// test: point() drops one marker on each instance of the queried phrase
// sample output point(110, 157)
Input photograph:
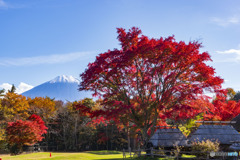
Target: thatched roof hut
point(237, 124)
point(224, 134)
point(168, 137)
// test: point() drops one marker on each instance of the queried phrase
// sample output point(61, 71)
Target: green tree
point(2, 91)
point(13, 89)
point(190, 124)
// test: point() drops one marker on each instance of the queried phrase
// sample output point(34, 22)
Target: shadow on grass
point(138, 158)
point(104, 152)
point(119, 152)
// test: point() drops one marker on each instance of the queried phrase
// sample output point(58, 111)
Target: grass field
point(90, 155)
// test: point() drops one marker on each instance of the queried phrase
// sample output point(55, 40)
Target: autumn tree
point(42, 106)
point(147, 79)
point(46, 108)
point(73, 120)
point(2, 128)
point(107, 134)
point(230, 93)
point(26, 132)
point(14, 106)
point(222, 109)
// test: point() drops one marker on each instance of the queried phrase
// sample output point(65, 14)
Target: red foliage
point(190, 110)
point(39, 123)
point(26, 132)
point(223, 110)
point(148, 80)
point(97, 121)
point(102, 138)
point(83, 110)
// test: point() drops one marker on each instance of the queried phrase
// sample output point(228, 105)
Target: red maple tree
point(27, 132)
point(148, 79)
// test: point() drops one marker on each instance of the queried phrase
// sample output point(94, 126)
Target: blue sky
point(41, 39)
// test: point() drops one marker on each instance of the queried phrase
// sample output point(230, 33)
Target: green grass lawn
point(90, 155)
point(63, 156)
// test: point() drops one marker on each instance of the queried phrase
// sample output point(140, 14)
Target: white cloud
point(234, 52)
point(6, 86)
point(22, 87)
point(49, 59)
point(226, 21)
point(225, 80)
point(230, 51)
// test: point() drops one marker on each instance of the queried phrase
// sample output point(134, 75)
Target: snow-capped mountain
point(63, 88)
point(64, 79)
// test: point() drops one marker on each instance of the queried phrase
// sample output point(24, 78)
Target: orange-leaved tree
point(14, 106)
point(42, 106)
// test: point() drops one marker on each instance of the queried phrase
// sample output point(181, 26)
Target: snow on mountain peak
point(64, 79)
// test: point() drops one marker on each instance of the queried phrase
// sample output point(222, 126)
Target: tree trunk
point(64, 138)
point(145, 137)
point(75, 133)
point(129, 142)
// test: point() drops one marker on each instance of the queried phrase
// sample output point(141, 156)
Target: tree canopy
point(230, 93)
point(14, 106)
point(222, 109)
point(149, 79)
point(27, 132)
point(44, 107)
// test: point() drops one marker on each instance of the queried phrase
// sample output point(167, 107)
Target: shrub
point(202, 148)
point(3, 147)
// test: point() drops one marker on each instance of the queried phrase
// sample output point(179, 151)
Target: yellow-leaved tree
point(14, 106)
point(43, 106)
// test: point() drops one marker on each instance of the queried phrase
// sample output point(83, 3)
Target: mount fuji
point(63, 88)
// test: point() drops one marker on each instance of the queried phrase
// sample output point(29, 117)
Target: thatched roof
point(168, 138)
point(237, 124)
point(224, 134)
point(235, 146)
